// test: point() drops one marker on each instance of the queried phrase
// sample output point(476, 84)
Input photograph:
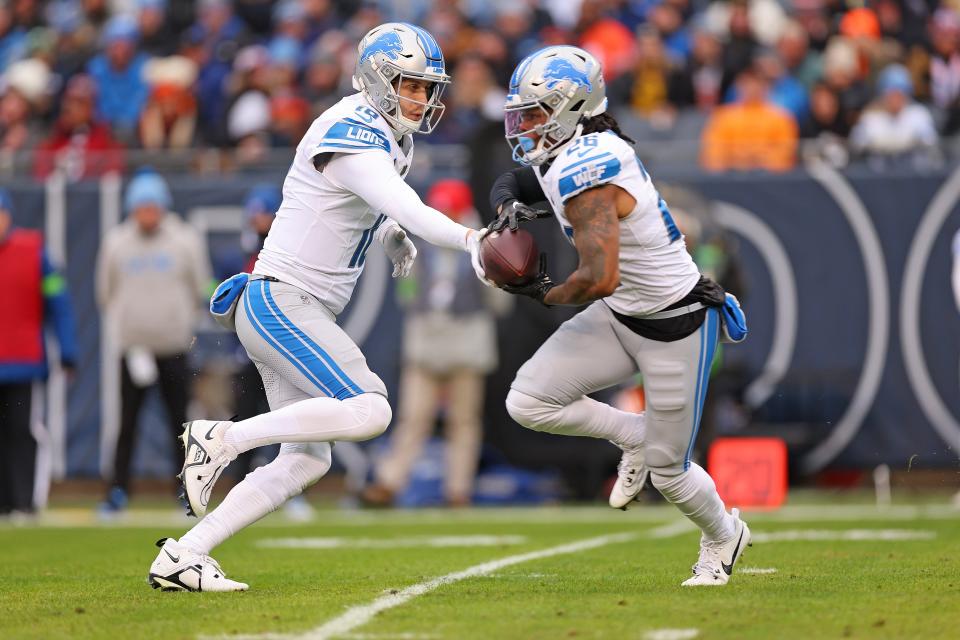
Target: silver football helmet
point(386, 56)
point(566, 85)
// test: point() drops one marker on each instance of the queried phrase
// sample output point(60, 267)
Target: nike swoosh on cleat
point(207, 436)
point(172, 557)
point(728, 568)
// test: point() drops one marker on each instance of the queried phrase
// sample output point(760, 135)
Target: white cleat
point(206, 455)
point(715, 565)
point(632, 475)
point(179, 569)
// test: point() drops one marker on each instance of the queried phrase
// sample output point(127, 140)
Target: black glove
point(512, 213)
point(536, 288)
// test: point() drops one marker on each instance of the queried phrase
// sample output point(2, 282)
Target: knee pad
point(663, 459)
point(373, 415)
point(531, 412)
point(666, 389)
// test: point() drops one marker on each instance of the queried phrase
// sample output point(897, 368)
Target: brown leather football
point(510, 257)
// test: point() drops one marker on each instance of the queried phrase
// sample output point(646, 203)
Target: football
point(510, 257)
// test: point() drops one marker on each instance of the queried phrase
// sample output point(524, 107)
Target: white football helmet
point(388, 54)
point(566, 83)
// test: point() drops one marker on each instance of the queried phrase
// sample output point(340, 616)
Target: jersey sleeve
point(593, 160)
point(350, 135)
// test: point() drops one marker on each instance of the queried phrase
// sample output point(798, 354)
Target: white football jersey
point(655, 268)
point(320, 237)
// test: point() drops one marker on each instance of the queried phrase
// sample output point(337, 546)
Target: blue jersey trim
point(360, 253)
point(373, 231)
point(672, 229)
point(599, 173)
point(354, 133)
point(586, 160)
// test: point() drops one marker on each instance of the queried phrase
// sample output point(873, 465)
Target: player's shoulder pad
point(352, 134)
point(591, 160)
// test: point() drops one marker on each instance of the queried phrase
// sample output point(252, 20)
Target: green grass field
point(892, 573)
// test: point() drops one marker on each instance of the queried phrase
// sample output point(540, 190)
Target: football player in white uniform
point(649, 309)
point(344, 189)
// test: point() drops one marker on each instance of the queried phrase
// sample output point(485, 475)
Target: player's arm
point(518, 184)
point(516, 197)
point(372, 176)
point(596, 231)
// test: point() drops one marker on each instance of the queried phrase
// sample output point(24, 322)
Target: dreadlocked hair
point(605, 122)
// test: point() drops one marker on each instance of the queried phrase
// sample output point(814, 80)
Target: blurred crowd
point(875, 79)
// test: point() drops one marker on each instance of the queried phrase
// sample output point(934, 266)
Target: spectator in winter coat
point(895, 125)
point(153, 271)
point(80, 146)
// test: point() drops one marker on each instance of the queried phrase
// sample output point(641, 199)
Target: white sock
point(695, 494)
point(582, 417)
point(260, 493)
point(314, 420)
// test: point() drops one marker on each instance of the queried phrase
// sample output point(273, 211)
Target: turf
point(70, 580)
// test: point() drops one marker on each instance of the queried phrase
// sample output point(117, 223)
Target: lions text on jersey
point(655, 268)
point(322, 231)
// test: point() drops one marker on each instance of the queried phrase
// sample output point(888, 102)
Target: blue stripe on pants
point(350, 388)
point(708, 345)
point(256, 323)
point(277, 330)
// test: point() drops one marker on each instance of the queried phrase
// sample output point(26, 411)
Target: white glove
point(473, 246)
point(398, 247)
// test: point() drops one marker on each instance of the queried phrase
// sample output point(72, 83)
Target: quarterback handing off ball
point(510, 257)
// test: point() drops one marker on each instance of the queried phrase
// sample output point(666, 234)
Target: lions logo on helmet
point(386, 56)
point(388, 44)
point(566, 85)
point(558, 70)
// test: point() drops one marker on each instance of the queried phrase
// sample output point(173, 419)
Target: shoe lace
point(628, 469)
point(208, 560)
point(709, 559)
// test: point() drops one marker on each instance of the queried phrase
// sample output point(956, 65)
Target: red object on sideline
point(749, 472)
point(21, 297)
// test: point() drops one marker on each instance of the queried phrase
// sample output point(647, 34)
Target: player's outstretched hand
point(513, 213)
point(474, 237)
point(400, 249)
point(536, 288)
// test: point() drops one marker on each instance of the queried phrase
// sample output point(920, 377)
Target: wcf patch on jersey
point(588, 175)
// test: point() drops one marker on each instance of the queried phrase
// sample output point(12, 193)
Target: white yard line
point(390, 636)
point(360, 615)
point(757, 570)
point(671, 634)
point(851, 535)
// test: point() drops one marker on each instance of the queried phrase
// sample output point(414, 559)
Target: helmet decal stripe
point(518, 73)
point(429, 45)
